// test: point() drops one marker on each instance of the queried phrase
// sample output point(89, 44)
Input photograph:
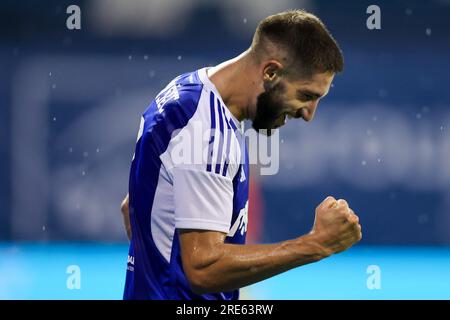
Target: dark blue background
point(399, 67)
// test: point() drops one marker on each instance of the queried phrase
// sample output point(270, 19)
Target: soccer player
point(189, 218)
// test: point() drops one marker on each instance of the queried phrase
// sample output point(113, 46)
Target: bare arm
point(124, 208)
point(213, 266)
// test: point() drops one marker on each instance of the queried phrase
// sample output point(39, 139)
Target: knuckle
point(342, 204)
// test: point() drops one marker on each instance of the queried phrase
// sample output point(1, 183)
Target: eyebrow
point(315, 95)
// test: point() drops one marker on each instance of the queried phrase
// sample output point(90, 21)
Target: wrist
point(315, 245)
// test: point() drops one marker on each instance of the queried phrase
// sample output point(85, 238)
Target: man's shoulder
point(176, 103)
point(183, 90)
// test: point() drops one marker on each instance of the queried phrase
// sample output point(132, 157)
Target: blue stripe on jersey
point(213, 130)
point(233, 125)
point(219, 155)
point(227, 153)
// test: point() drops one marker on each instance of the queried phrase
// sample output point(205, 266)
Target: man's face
point(290, 99)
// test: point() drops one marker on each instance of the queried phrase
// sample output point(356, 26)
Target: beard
point(269, 110)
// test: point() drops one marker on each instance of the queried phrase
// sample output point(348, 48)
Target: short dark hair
point(308, 43)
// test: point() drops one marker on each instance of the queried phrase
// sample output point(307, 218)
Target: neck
point(234, 79)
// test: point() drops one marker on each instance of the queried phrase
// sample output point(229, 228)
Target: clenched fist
point(336, 227)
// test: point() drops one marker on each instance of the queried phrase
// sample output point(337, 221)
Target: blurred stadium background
point(70, 102)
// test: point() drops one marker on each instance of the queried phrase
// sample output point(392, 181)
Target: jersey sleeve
point(202, 160)
point(203, 200)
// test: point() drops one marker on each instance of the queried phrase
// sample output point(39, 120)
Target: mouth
point(283, 119)
point(299, 114)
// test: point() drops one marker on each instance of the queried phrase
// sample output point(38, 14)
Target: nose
point(308, 112)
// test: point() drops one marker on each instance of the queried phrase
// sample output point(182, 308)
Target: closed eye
point(308, 96)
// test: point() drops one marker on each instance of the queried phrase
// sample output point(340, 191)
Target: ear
point(272, 71)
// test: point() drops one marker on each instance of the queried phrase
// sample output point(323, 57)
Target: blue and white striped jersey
point(189, 171)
